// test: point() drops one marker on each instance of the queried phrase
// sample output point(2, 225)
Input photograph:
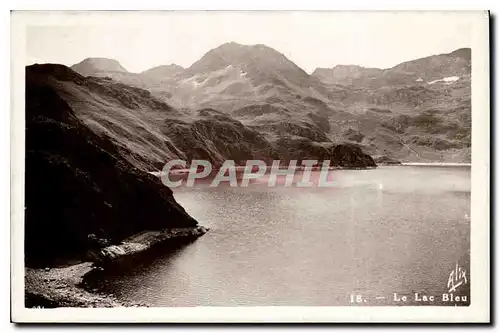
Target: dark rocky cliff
point(80, 191)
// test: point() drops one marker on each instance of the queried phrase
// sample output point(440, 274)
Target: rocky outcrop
point(93, 66)
point(146, 240)
point(345, 73)
point(60, 287)
point(353, 135)
point(267, 92)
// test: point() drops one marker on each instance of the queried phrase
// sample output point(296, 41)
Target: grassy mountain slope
point(377, 109)
point(148, 132)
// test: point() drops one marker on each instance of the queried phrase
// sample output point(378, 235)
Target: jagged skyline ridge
point(309, 39)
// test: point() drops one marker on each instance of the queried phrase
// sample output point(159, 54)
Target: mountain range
point(417, 111)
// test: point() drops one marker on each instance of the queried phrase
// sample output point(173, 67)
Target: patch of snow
point(419, 79)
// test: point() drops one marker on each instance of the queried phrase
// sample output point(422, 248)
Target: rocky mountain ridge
point(423, 70)
point(148, 132)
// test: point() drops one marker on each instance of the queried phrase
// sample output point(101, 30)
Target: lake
point(376, 236)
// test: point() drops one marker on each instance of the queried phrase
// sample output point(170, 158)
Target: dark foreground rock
point(66, 286)
point(83, 198)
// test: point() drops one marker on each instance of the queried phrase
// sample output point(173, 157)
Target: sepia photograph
point(249, 166)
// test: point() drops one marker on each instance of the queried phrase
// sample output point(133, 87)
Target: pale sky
point(141, 40)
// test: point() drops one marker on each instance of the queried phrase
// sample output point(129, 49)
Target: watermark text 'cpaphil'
point(309, 173)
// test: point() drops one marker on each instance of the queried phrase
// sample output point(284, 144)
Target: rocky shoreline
point(386, 160)
point(64, 287)
point(60, 287)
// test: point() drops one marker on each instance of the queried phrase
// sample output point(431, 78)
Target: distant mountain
point(464, 53)
point(418, 110)
point(232, 75)
point(345, 74)
point(112, 70)
point(96, 66)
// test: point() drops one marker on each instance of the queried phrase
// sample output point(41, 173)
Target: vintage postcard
point(239, 166)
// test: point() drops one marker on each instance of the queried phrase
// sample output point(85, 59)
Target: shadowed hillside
point(435, 67)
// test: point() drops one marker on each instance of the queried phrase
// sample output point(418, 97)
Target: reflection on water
point(377, 232)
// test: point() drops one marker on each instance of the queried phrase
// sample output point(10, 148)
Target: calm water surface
point(399, 229)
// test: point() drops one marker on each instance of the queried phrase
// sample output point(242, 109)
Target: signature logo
point(457, 277)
